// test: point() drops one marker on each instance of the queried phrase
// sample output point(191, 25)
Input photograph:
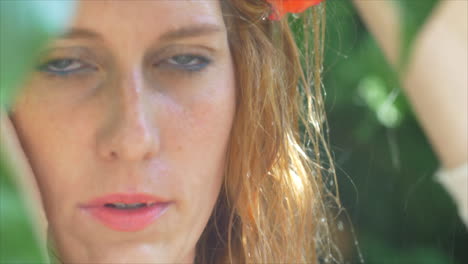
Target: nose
point(129, 132)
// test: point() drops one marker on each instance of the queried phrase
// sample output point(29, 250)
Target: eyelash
point(203, 62)
point(188, 68)
point(61, 73)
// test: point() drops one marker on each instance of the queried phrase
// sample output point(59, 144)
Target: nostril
point(128, 137)
point(149, 155)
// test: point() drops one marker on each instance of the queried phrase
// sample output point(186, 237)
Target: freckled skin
point(131, 126)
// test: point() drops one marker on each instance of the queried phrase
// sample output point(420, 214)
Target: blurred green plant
point(18, 243)
point(385, 164)
point(373, 91)
point(25, 27)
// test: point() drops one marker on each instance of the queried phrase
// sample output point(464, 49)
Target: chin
point(141, 254)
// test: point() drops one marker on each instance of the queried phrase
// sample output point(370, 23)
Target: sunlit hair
point(273, 205)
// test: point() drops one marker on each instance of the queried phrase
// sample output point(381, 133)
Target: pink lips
point(126, 212)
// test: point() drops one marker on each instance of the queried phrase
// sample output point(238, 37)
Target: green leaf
point(25, 26)
point(18, 243)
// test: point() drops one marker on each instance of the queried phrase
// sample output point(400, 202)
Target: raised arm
point(436, 80)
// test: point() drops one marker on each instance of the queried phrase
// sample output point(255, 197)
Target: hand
point(24, 178)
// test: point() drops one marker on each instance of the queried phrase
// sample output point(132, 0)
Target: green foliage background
point(385, 164)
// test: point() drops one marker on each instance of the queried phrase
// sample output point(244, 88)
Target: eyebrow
point(79, 33)
point(173, 34)
point(190, 32)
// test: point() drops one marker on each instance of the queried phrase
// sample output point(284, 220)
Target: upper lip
point(126, 198)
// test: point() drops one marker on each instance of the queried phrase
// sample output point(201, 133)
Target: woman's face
point(126, 122)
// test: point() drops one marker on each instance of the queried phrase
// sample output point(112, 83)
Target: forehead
point(139, 17)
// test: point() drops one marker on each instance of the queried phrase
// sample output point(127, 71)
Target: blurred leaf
point(25, 26)
point(18, 243)
point(374, 92)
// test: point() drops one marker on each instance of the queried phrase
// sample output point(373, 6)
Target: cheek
point(202, 129)
point(204, 121)
point(200, 138)
point(211, 122)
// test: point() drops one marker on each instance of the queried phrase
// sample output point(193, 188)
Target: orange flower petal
point(282, 7)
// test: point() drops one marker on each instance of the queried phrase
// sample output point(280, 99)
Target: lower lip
point(128, 220)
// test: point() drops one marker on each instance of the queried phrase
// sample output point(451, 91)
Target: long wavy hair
point(273, 207)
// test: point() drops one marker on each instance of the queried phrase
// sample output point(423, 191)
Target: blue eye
point(188, 62)
point(63, 66)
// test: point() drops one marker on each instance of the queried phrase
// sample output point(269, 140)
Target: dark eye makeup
point(183, 63)
point(65, 66)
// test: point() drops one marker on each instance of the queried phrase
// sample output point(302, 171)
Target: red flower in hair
point(282, 7)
